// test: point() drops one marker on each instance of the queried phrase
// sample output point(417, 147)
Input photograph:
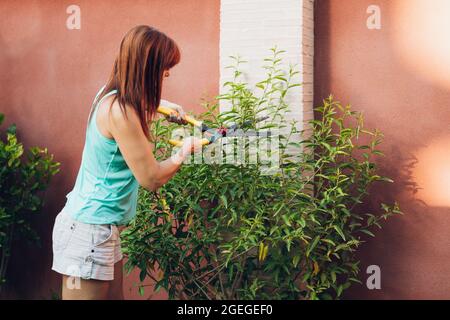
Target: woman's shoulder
point(120, 114)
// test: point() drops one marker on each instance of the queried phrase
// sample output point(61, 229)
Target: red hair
point(145, 53)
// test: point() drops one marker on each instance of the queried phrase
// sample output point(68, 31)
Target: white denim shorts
point(85, 250)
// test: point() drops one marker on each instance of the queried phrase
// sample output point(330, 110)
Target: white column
point(249, 28)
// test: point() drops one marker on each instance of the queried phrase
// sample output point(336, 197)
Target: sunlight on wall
point(421, 37)
point(432, 173)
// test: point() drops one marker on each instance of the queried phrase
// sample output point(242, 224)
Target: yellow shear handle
point(179, 143)
point(168, 111)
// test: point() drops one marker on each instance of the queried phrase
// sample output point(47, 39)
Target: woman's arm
point(138, 152)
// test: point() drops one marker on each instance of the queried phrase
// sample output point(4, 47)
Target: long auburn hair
point(144, 54)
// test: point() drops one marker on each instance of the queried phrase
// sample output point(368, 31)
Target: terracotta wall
point(399, 77)
point(49, 76)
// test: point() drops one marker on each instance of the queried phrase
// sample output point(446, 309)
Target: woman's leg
point(116, 287)
point(74, 288)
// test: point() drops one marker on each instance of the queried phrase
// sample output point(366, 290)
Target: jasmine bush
point(228, 231)
point(24, 175)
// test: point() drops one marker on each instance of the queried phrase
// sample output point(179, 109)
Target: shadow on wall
point(397, 77)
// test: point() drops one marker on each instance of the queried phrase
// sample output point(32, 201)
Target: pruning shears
point(211, 134)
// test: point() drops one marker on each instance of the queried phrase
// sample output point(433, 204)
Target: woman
point(117, 158)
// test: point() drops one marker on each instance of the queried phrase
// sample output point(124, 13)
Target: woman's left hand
point(179, 116)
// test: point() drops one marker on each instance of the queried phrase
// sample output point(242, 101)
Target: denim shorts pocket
point(102, 233)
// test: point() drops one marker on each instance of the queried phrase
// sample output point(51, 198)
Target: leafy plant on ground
point(228, 231)
point(23, 177)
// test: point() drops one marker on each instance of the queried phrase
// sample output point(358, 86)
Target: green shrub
point(227, 231)
point(21, 183)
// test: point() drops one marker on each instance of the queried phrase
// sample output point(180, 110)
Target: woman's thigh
point(116, 286)
point(76, 288)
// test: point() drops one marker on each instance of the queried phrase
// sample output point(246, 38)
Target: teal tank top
point(105, 190)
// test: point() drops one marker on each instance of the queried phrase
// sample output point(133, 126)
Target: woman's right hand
point(179, 115)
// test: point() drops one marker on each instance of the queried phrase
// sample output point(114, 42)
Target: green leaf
point(329, 241)
point(286, 220)
point(142, 275)
point(12, 129)
point(312, 245)
point(224, 201)
point(339, 230)
point(368, 232)
point(296, 260)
